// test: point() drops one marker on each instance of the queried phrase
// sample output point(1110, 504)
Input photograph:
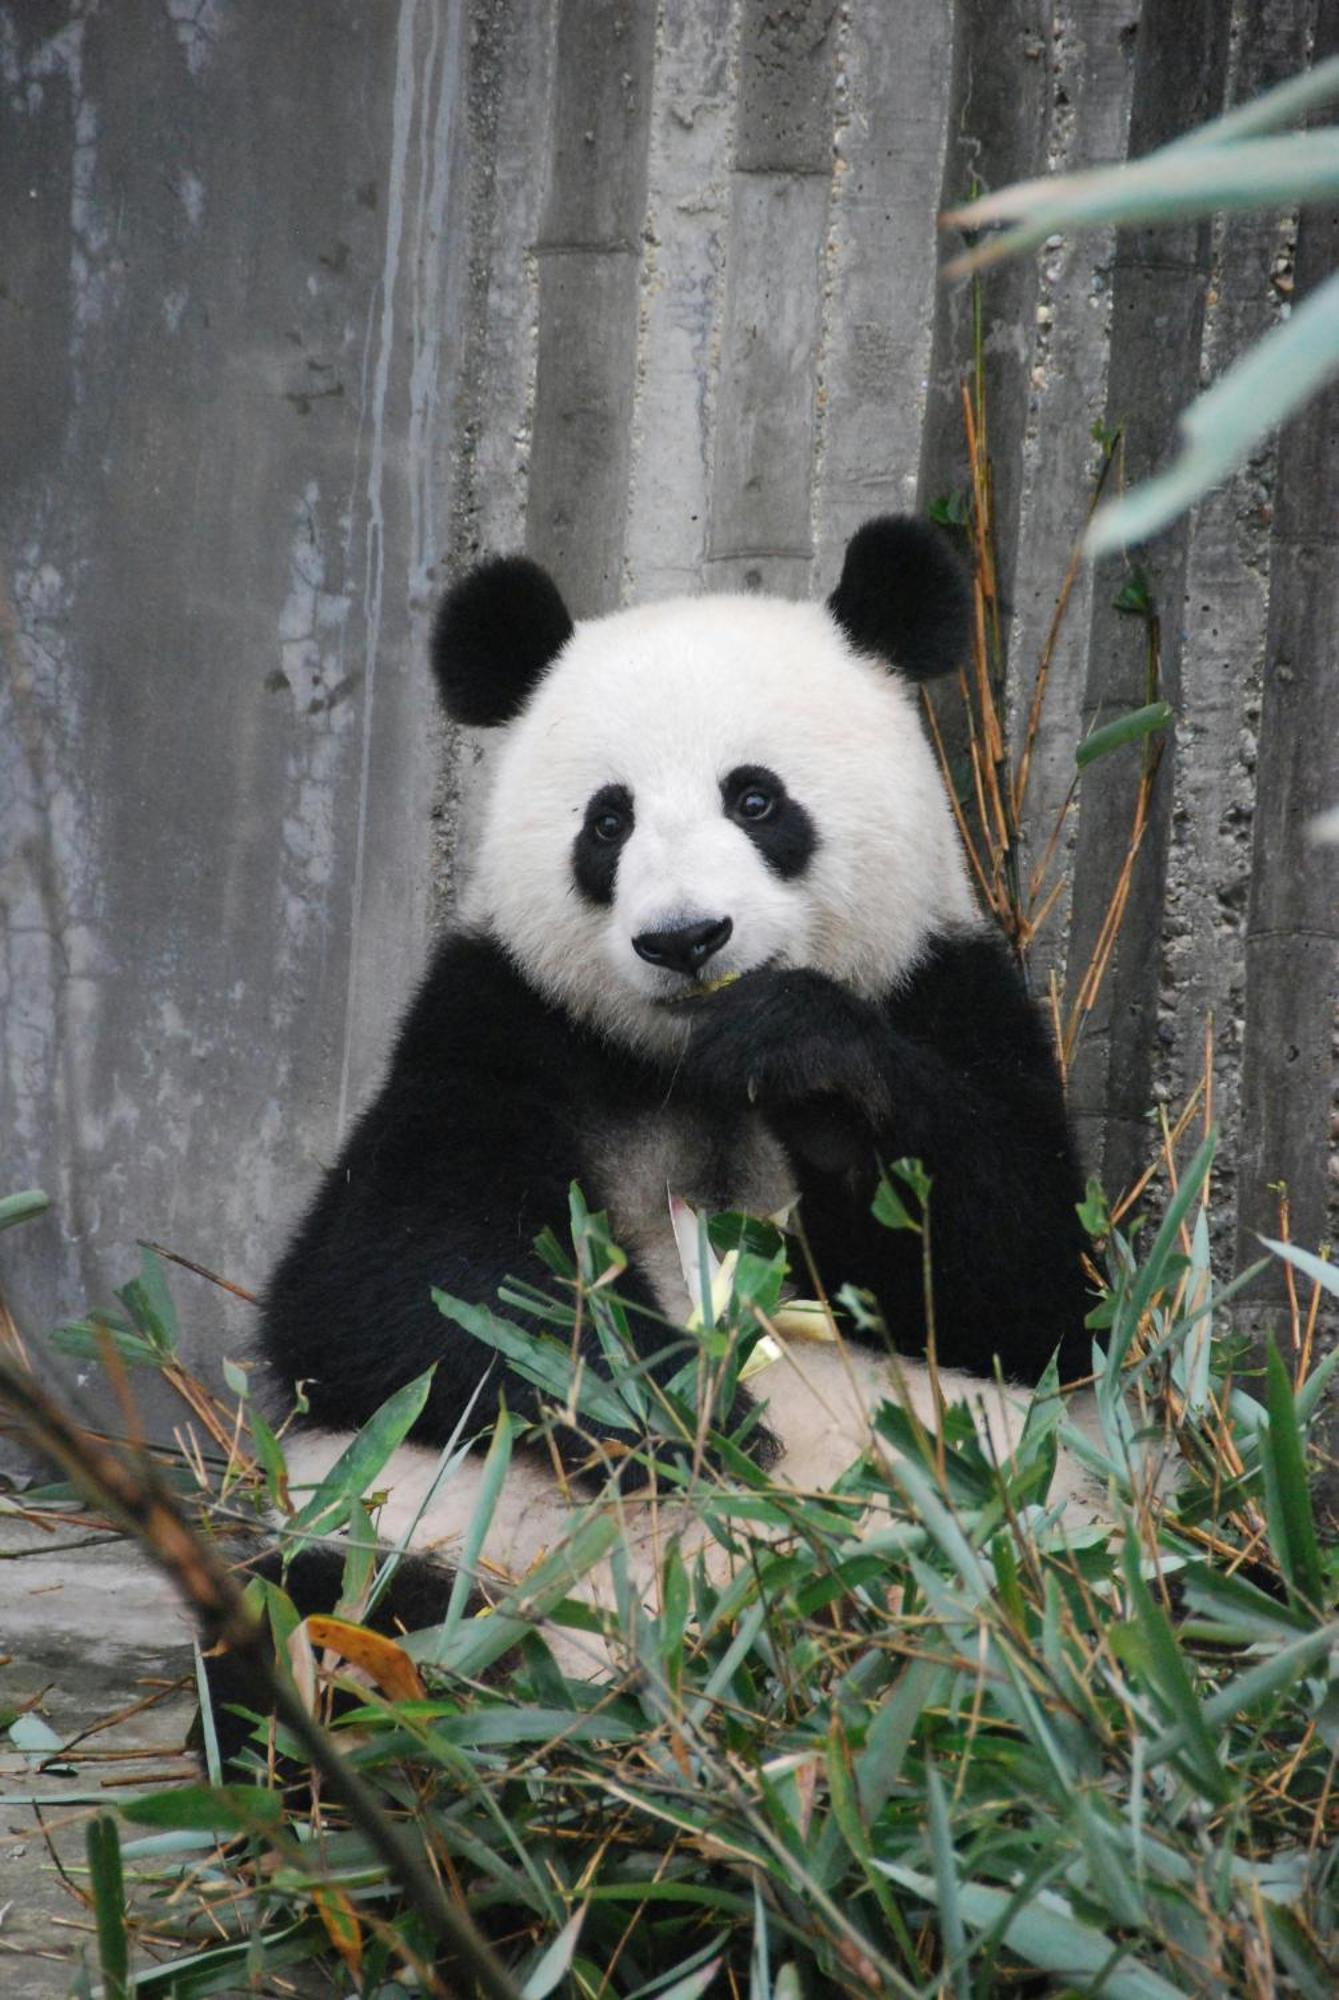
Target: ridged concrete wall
point(304, 307)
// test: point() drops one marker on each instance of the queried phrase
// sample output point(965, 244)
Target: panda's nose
point(685, 948)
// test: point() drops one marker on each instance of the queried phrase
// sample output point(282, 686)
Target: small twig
point(199, 1270)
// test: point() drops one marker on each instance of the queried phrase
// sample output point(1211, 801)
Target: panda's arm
point(465, 1156)
point(955, 1070)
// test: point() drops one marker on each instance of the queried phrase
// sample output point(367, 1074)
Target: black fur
point(957, 1071)
point(596, 849)
point(904, 597)
point(488, 1112)
point(495, 633)
point(484, 1121)
point(785, 835)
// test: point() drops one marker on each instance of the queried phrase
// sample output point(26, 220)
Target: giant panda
point(719, 942)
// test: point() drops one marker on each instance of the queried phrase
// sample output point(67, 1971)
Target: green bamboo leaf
point(1111, 1870)
point(233, 1967)
point(945, 1863)
point(29, 1732)
point(22, 1207)
point(1047, 1935)
point(878, 1767)
point(360, 1462)
point(690, 1984)
point(1280, 373)
point(1131, 728)
point(710, 1895)
point(271, 1457)
point(478, 1642)
point(1237, 1608)
point(496, 1465)
point(1287, 1487)
point(553, 1963)
point(89, 1339)
point(760, 1958)
point(1153, 1272)
point(889, 1208)
point(1319, 1269)
point(1315, 1385)
point(150, 1304)
point(1313, 1976)
point(103, 1849)
point(220, 1809)
point(1164, 1671)
point(1177, 182)
point(541, 1361)
point(845, 1803)
point(208, 1733)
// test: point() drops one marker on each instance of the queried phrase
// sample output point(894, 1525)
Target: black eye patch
point(605, 827)
point(778, 825)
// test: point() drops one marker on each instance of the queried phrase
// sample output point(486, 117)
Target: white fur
point(819, 1403)
point(667, 699)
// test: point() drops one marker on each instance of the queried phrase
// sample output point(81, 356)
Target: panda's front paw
point(784, 1038)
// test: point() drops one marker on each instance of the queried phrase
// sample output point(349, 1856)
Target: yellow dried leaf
point(342, 1926)
point(386, 1665)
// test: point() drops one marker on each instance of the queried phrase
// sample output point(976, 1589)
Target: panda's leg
point(426, 1512)
point(820, 1402)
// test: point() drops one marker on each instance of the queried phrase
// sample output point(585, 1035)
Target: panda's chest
point(637, 1162)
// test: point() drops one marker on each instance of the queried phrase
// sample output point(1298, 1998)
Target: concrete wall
point(228, 340)
point(306, 306)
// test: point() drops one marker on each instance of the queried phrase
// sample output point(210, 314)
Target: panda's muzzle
point(684, 947)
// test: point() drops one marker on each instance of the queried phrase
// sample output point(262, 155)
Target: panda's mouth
point(701, 987)
point(698, 988)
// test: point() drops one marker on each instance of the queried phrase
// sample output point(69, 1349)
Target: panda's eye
point(755, 800)
point(752, 794)
point(608, 816)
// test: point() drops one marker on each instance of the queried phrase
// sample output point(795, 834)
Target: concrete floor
point(87, 1630)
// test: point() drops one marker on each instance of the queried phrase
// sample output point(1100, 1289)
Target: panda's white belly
point(819, 1400)
point(641, 1161)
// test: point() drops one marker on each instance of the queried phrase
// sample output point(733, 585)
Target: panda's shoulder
point(967, 993)
point(473, 1008)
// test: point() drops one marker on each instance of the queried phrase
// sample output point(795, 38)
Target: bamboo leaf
point(490, 1489)
point(221, 1809)
point(103, 1848)
point(341, 1925)
point(358, 1465)
point(22, 1207)
point(1287, 1488)
point(1131, 728)
point(1319, 1269)
point(1165, 1673)
point(553, 1963)
point(1249, 171)
point(945, 1863)
point(1275, 377)
point(150, 1304)
point(541, 1361)
point(1047, 1935)
point(384, 1662)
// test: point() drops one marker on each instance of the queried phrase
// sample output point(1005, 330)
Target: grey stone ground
point(86, 1632)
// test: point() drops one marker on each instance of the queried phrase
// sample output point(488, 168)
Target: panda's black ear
point(904, 596)
point(494, 634)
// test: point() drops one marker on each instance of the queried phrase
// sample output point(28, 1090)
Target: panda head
point(707, 786)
